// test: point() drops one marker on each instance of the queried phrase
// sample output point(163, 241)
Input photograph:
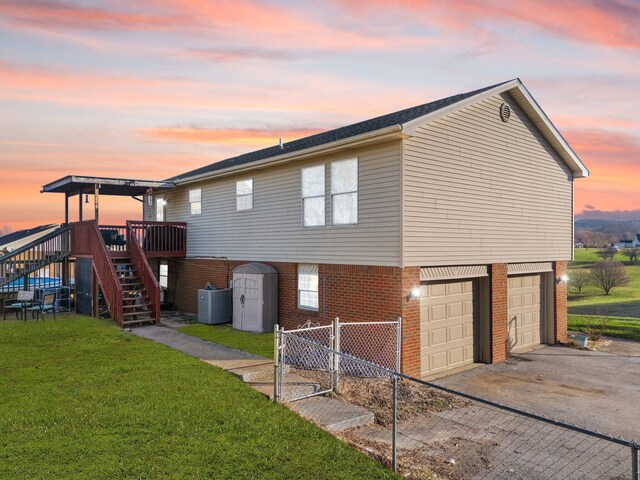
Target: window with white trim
point(244, 194)
point(308, 286)
point(313, 191)
point(344, 192)
point(163, 274)
point(160, 208)
point(195, 201)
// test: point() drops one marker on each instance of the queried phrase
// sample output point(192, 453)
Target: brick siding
point(499, 308)
point(560, 305)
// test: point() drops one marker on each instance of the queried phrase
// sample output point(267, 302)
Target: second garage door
point(526, 319)
point(447, 324)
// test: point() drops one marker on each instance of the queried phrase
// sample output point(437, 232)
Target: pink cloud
point(231, 136)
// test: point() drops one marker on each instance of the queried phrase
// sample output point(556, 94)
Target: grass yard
point(622, 305)
point(593, 298)
point(620, 327)
point(82, 399)
point(256, 343)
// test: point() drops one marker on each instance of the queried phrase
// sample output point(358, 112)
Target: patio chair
point(41, 307)
point(19, 304)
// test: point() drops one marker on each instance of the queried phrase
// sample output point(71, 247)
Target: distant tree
point(607, 253)
point(578, 279)
point(5, 230)
point(607, 274)
point(632, 254)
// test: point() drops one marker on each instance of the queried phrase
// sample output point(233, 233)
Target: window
point(344, 192)
point(308, 286)
point(195, 201)
point(313, 196)
point(160, 208)
point(163, 274)
point(244, 194)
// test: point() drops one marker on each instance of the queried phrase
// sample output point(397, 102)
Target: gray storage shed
point(255, 297)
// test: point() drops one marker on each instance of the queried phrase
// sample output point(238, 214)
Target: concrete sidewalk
point(258, 373)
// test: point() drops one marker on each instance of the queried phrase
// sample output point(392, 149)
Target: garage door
point(526, 319)
point(446, 325)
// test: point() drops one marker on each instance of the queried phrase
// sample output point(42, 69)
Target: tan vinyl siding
point(478, 191)
point(148, 211)
point(272, 230)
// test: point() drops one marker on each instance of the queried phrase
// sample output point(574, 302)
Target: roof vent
point(505, 112)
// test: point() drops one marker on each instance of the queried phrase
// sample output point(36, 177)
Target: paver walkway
point(258, 372)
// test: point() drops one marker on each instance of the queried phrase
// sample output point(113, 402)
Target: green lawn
point(622, 305)
point(257, 343)
point(621, 327)
point(622, 301)
point(80, 399)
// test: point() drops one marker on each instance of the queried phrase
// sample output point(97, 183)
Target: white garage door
point(446, 325)
point(526, 318)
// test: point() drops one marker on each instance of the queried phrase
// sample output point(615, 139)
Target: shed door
point(526, 317)
point(252, 320)
point(447, 325)
point(247, 302)
point(238, 292)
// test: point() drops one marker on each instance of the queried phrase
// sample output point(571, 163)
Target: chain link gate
point(302, 370)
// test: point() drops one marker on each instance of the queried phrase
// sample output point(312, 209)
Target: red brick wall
point(352, 292)
point(410, 322)
point(499, 312)
point(560, 313)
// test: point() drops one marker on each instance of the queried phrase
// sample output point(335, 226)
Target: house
point(456, 215)
point(623, 244)
point(579, 245)
point(636, 242)
point(15, 240)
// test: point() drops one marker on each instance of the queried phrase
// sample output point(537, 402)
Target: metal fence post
point(399, 345)
point(394, 433)
point(276, 362)
point(336, 357)
point(635, 469)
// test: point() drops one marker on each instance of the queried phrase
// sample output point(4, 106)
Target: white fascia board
point(570, 157)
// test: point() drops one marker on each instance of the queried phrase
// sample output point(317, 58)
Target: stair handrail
point(87, 240)
point(147, 277)
point(14, 255)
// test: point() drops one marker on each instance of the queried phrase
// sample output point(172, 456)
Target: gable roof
point(406, 121)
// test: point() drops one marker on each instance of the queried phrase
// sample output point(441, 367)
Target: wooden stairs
point(137, 307)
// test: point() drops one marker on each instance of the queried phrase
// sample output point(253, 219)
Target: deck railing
point(141, 264)
point(86, 240)
point(34, 256)
point(160, 239)
point(114, 236)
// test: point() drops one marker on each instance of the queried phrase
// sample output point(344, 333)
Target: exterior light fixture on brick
point(564, 278)
point(414, 293)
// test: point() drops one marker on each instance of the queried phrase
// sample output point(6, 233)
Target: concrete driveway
point(596, 390)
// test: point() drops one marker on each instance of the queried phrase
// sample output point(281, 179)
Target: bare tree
point(607, 274)
point(5, 229)
point(578, 279)
point(631, 254)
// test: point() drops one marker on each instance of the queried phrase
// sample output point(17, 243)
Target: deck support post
point(80, 205)
point(96, 202)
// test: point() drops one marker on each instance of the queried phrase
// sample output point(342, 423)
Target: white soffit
point(452, 273)
point(522, 268)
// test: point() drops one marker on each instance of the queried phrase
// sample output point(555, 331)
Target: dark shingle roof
point(366, 126)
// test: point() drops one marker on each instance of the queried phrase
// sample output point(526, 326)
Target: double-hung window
point(195, 201)
point(308, 286)
point(244, 194)
point(163, 274)
point(344, 192)
point(313, 191)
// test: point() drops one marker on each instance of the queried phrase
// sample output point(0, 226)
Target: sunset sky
point(152, 88)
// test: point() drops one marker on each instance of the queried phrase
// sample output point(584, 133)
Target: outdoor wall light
point(564, 278)
point(414, 293)
point(86, 198)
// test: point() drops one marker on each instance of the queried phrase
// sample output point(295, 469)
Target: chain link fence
point(425, 431)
